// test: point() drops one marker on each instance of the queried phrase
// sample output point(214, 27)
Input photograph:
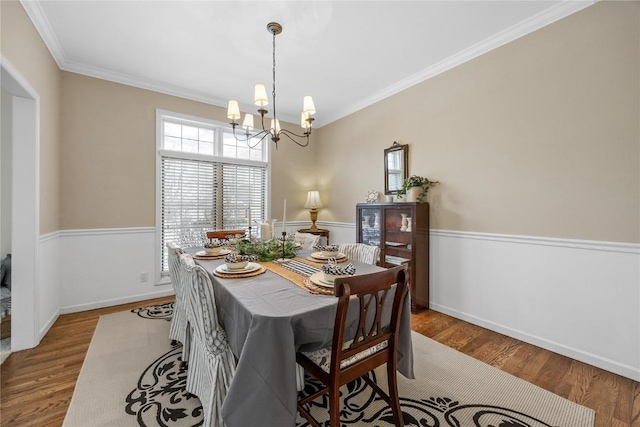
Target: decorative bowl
point(327, 251)
point(332, 271)
point(213, 251)
point(236, 265)
point(330, 278)
point(234, 261)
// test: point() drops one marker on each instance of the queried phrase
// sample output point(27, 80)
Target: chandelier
point(260, 100)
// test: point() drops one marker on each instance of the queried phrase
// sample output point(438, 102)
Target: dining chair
point(179, 329)
point(306, 240)
point(211, 362)
point(222, 234)
point(360, 252)
point(354, 354)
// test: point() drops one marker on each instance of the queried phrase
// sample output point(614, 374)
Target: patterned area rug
point(132, 377)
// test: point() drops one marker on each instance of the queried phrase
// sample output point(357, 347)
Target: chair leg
point(392, 381)
point(334, 405)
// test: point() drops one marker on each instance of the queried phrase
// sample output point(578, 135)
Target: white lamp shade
point(260, 97)
point(303, 121)
point(233, 111)
point(275, 128)
point(313, 200)
point(307, 105)
point(247, 124)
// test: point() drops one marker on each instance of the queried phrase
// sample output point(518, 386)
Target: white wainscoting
point(101, 268)
point(49, 282)
point(574, 297)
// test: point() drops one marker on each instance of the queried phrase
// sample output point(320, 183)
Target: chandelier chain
point(273, 94)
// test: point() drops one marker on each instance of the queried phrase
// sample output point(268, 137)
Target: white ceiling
point(347, 54)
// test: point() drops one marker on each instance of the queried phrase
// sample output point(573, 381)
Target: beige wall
point(108, 157)
point(539, 137)
point(22, 46)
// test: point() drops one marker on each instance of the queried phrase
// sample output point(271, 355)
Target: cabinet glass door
point(398, 235)
point(370, 226)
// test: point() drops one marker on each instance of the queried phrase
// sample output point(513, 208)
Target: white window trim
point(163, 279)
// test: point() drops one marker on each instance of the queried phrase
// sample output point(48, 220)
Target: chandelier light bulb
point(303, 121)
point(275, 129)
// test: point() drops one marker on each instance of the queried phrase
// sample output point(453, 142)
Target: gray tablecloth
point(268, 319)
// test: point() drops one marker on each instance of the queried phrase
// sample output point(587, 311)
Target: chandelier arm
point(248, 137)
point(290, 135)
point(264, 135)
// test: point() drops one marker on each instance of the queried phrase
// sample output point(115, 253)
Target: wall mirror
point(396, 161)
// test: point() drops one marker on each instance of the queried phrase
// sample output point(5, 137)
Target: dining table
point(268, 318)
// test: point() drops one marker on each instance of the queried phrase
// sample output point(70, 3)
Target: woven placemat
point(315, 289)
point(259, 271)
point(297, 279)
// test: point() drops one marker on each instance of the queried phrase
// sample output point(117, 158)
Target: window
point(206, 180)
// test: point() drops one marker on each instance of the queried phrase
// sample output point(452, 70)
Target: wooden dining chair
point(372, 344)
point(179, 329)
point(360, 252)
point(222, 234)
point(211, 362)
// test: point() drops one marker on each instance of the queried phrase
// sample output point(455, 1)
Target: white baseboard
point(115, 301)
point(589, 358)
point(48, 325)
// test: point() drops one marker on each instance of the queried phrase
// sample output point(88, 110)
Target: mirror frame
point(405, 159)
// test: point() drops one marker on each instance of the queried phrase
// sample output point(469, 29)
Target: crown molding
point(555, 13)
point(512, 33)
point(40, 22)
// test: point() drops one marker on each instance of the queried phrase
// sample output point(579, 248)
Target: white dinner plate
point(250, 268)
point(222, 252)
point(318, 279)
point(319, 255)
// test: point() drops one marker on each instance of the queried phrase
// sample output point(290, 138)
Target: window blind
point(243, 187)
point(198, 196)
point(189, 195)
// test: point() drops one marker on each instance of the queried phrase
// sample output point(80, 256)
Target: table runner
point(298, 279)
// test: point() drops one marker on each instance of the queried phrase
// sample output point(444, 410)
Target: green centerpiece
point(268, 250)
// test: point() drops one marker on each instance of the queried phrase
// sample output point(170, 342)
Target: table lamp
point(313, 203)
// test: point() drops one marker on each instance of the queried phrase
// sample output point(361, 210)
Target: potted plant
point(415, 188)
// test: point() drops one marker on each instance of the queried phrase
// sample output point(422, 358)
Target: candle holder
point(284, 242)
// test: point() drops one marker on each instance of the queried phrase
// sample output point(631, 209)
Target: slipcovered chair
point(306, 240)
point(211, 362)
point(179, 330)
point(371, 344)
point(360, 252)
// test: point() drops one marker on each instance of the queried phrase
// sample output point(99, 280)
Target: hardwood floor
point(36, 385)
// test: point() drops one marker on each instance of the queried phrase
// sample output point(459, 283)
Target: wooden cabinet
point(401, 230)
